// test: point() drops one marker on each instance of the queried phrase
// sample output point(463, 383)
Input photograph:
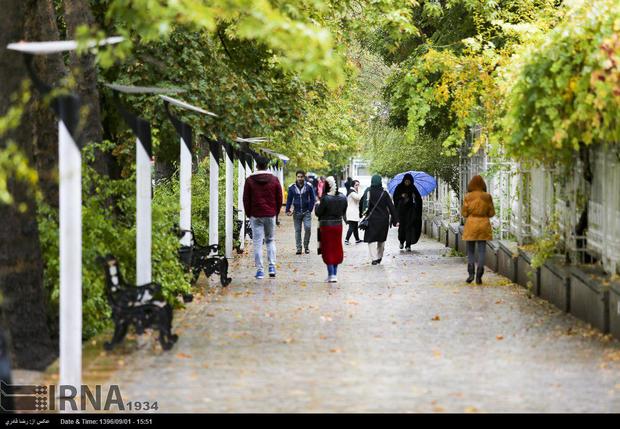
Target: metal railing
point(533, 202)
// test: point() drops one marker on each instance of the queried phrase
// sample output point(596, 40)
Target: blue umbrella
point(424, 182)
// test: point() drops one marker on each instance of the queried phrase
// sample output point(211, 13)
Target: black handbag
point(363, 224)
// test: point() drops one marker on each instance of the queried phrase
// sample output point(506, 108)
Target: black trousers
point(471, 252)
point(353, 230)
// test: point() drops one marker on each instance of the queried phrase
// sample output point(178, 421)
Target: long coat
point(353, 206)
point(477, 208)
point(409, 210)
point(379, 220)
point(330, 211)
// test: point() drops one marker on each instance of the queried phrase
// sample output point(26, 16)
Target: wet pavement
point(408, 335)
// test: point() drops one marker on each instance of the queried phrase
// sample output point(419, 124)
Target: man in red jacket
point(262, 200)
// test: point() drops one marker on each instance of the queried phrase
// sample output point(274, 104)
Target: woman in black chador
point(408, 203)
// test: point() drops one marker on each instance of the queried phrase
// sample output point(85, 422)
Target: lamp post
point(214, 174)
point(184, 130)
point(279, 171)
point(66, 108)
point(144, 154)
point(240, 208)
point(229, 215)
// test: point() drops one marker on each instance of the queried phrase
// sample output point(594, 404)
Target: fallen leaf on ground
point(471, 409)
point(436, 317)
point(499, 337)
point(336, 350)
point(613, 356)
point(183, 356)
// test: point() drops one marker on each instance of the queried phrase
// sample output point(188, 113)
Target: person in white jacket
point(353, 212)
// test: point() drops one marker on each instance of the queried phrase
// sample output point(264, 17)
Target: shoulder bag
point(363, 224)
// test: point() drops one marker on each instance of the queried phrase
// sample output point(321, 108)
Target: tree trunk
point(76, 13)
point(23, 310)
point(40, 25)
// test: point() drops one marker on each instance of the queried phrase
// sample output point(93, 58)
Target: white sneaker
point(328, 279)
point(333, 279)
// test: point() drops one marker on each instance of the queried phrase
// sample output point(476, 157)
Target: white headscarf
point(332, 185)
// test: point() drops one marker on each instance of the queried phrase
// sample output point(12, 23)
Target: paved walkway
point(406, 336)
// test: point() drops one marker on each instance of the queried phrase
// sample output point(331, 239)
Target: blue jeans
point(332, 270)
point(264, 228)
point(306, 220)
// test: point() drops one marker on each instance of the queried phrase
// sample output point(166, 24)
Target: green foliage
point(454, 253)
point(251, 95)
point(567, 89)
point(547, 245)
point(392, 151)
point(13, 162)
point(298, 42)
point(450, 77)
point(14, 165)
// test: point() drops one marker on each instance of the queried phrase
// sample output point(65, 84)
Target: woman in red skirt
point(331, 210)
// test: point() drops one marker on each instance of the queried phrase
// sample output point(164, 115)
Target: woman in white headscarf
point(331, 211)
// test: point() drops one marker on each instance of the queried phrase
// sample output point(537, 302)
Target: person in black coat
point(381, 212)
point(408, 203)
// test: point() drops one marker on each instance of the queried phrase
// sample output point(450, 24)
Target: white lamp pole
point(142, 130)
point(185, 190)
point(66, 108)
point(143, 209)
point(184, 131)
point(281, 177)
point(229, 215)
point(241, 214)
point(214, 174)
point(70, 244)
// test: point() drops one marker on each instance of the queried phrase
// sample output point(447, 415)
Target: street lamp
point(142, 130)
point(184, 130)
point(66, 108)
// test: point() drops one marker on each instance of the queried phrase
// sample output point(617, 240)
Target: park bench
point(198, 258)
point(142, 306)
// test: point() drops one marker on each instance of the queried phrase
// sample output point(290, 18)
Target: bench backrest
point(113, 279)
